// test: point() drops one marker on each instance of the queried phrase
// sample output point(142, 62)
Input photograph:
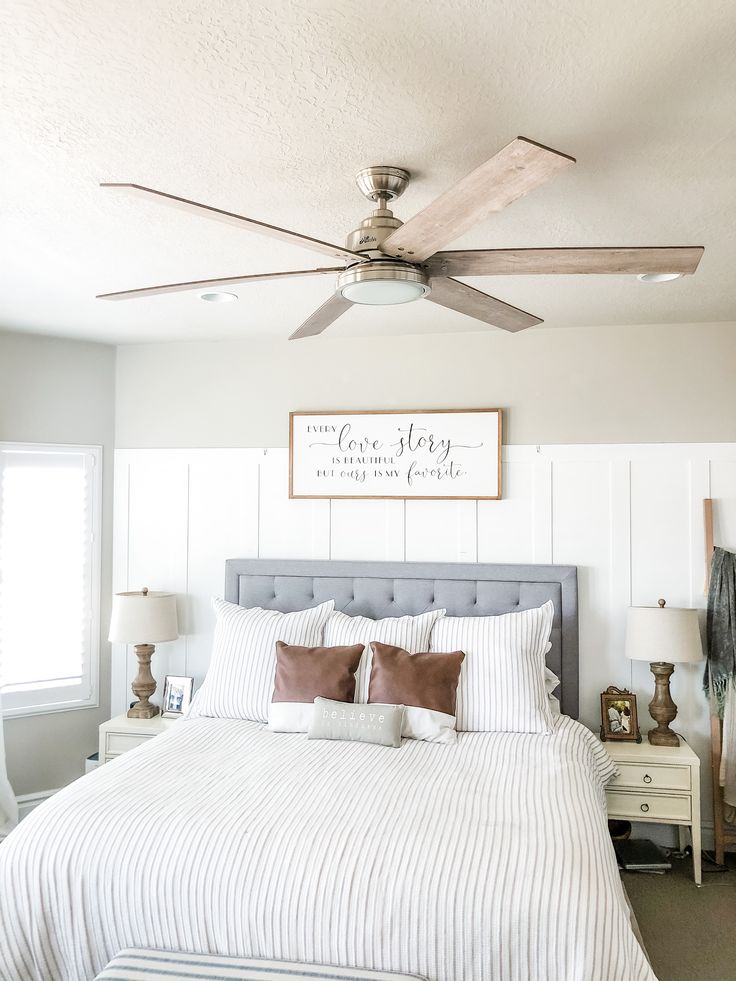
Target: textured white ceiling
point(269, 108)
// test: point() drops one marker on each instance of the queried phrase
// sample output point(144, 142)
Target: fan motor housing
point(373, 231)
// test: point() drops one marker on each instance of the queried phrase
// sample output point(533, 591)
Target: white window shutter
point(49, 577)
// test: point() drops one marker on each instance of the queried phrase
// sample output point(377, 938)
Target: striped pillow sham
point(240, 679)
point(411, 633)
point(502, 682)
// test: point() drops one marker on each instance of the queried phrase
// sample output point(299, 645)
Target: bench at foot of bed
point(136, 964)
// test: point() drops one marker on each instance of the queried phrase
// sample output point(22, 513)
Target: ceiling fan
point(386, 261)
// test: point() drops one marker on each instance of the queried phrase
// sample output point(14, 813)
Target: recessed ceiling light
point(657, 277)
point(218, 297)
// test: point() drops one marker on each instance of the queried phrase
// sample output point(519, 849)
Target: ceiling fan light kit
point(390, 262)
point(383, 283)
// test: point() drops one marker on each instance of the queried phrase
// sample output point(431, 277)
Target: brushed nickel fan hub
point(383, 282)
point(382, 183)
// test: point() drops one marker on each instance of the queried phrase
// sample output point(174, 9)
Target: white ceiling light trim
point(218, 297)
point(658, 277)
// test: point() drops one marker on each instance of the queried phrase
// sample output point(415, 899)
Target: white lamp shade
point(145, 617)
point(663, 633)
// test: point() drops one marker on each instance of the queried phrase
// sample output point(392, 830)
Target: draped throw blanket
point(720, 672)
point(721, 627)
point(8, 805)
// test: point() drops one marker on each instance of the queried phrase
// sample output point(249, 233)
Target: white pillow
point(239, 681)
point(411, 633)
point(551, 681)
point(502, 685)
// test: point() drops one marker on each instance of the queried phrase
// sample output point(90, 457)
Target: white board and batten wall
point(630, 517)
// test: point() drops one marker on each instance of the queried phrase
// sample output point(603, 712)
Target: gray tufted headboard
point(381, 589)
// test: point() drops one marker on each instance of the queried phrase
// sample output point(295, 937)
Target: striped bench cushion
point(164, 965)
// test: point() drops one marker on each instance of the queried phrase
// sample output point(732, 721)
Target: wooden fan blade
point(560, 262)
point(285, 234)
point(512, 172)
point(459, 296)
point(322, 317)
point(199, 284)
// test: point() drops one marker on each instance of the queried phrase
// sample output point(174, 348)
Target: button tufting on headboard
point(380, 589)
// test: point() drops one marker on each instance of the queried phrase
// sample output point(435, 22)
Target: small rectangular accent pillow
point(502, 683)
point(380, 724)
point(411, 633)
point(303, 674)
point(424, 683)
point(239, 681)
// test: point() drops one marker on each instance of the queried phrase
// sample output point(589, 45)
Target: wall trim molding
point(630, 516)
point(27, 802)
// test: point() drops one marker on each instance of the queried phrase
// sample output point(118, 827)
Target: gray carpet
point(689, 933)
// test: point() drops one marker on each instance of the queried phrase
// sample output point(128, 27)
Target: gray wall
point(59, 391)
point(594, 385)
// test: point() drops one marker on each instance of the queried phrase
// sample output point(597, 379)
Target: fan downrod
point(380, 185)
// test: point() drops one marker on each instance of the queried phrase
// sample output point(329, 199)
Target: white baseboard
point(27, 802)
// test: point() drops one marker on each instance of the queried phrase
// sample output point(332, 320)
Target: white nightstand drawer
point(120, 742)
point(121, 734)
point(650, 776)
point(652, 807)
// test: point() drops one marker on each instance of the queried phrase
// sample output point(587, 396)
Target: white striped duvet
point(485, 860)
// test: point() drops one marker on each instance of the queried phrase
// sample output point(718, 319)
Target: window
point(50, 499)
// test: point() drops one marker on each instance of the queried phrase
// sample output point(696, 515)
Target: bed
point(485, 860)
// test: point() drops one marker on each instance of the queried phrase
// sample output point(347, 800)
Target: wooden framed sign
point(427, 454)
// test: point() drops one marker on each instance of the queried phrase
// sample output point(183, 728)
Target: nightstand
point(660, 785)
point(121, 734)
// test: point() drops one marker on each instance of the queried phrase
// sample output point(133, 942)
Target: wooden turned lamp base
point(661, 708)
point(144, 684)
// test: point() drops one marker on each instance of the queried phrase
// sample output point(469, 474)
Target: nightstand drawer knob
point(647, 778)
point(645, 807)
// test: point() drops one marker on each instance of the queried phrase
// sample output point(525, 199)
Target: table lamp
point(654, 632)
point(143, 619)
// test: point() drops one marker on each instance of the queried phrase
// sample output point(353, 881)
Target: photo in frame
point(619, 718)
point(177, 696)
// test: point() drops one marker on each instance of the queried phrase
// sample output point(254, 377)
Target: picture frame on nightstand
point(177, 696)
point(619, 718)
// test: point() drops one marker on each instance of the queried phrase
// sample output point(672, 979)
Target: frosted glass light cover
point(383, 292)
point(143, 618)
point(668, 633)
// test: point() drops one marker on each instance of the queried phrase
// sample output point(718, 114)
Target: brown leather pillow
point(306, 673)
point(427, 680)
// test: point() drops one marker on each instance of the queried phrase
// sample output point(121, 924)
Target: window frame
point(46, 700)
